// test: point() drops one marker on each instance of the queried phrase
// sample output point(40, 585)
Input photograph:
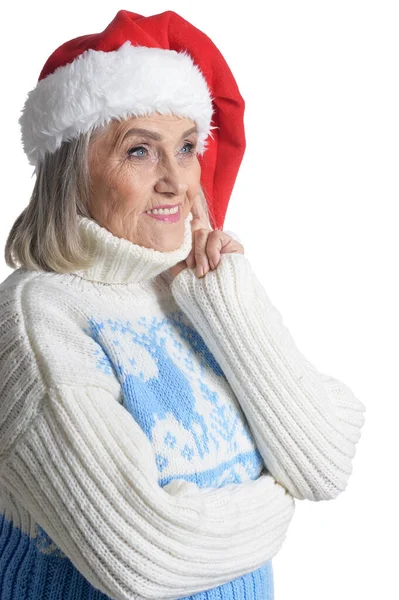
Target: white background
point(315, 204)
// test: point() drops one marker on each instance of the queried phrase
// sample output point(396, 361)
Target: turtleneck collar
point(118, 260)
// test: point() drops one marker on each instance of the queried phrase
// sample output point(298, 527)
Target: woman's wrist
point(176, 269)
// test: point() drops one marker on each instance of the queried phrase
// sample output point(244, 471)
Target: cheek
point(120, 179)
point(195, 171)
point(194, 180)
point(131, 189)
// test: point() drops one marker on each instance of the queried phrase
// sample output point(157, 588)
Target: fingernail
point(211, 264)
point(200, 271)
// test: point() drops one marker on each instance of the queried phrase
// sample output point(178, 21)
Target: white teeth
point(163, 211)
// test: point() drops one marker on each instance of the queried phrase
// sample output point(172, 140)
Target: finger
point(190, 260)
point(232, 247)
point(200, 218)
point(219, 242)
point(196, 205)
point(208, 246)
point(214, 246)
point(199, 244)
point(196, 223)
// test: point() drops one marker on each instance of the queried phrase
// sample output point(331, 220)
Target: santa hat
point(136, 66)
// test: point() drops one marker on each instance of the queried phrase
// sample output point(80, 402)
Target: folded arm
point(306, 424)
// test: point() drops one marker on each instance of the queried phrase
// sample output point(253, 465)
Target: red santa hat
point(137, 66)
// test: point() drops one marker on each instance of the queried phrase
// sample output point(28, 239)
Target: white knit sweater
point(157, 431)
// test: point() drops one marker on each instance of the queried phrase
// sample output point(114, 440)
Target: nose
point(171, 180)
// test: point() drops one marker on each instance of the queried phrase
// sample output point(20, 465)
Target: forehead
point(162, 128)
point(158, 124)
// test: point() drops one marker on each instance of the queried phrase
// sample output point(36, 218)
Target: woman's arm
point(81, 465)
point(306, 424)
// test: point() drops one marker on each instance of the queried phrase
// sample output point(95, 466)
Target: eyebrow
point(153, 134)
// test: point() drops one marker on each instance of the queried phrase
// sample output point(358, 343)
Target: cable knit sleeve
point(306, 424)
point(85, 470)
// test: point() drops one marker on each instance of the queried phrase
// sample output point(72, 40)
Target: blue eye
point(137, 148)
point(191, 150)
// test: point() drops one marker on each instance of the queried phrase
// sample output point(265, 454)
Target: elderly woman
point(157, 420)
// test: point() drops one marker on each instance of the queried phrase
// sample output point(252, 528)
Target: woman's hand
point(207, 245)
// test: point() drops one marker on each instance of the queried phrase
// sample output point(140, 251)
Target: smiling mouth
point(163, 206)
point(171, 217)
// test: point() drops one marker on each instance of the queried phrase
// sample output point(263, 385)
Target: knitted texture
point(154, 432)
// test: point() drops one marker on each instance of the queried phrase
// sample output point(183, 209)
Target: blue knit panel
point(176, 391)
point(29, 572)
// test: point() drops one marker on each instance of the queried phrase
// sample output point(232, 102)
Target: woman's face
point(133, 172)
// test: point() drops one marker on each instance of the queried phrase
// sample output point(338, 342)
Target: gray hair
point(45, 236)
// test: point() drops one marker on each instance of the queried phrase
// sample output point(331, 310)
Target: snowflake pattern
point(176, 391)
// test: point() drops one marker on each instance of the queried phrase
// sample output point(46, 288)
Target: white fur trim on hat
point(98, 86)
